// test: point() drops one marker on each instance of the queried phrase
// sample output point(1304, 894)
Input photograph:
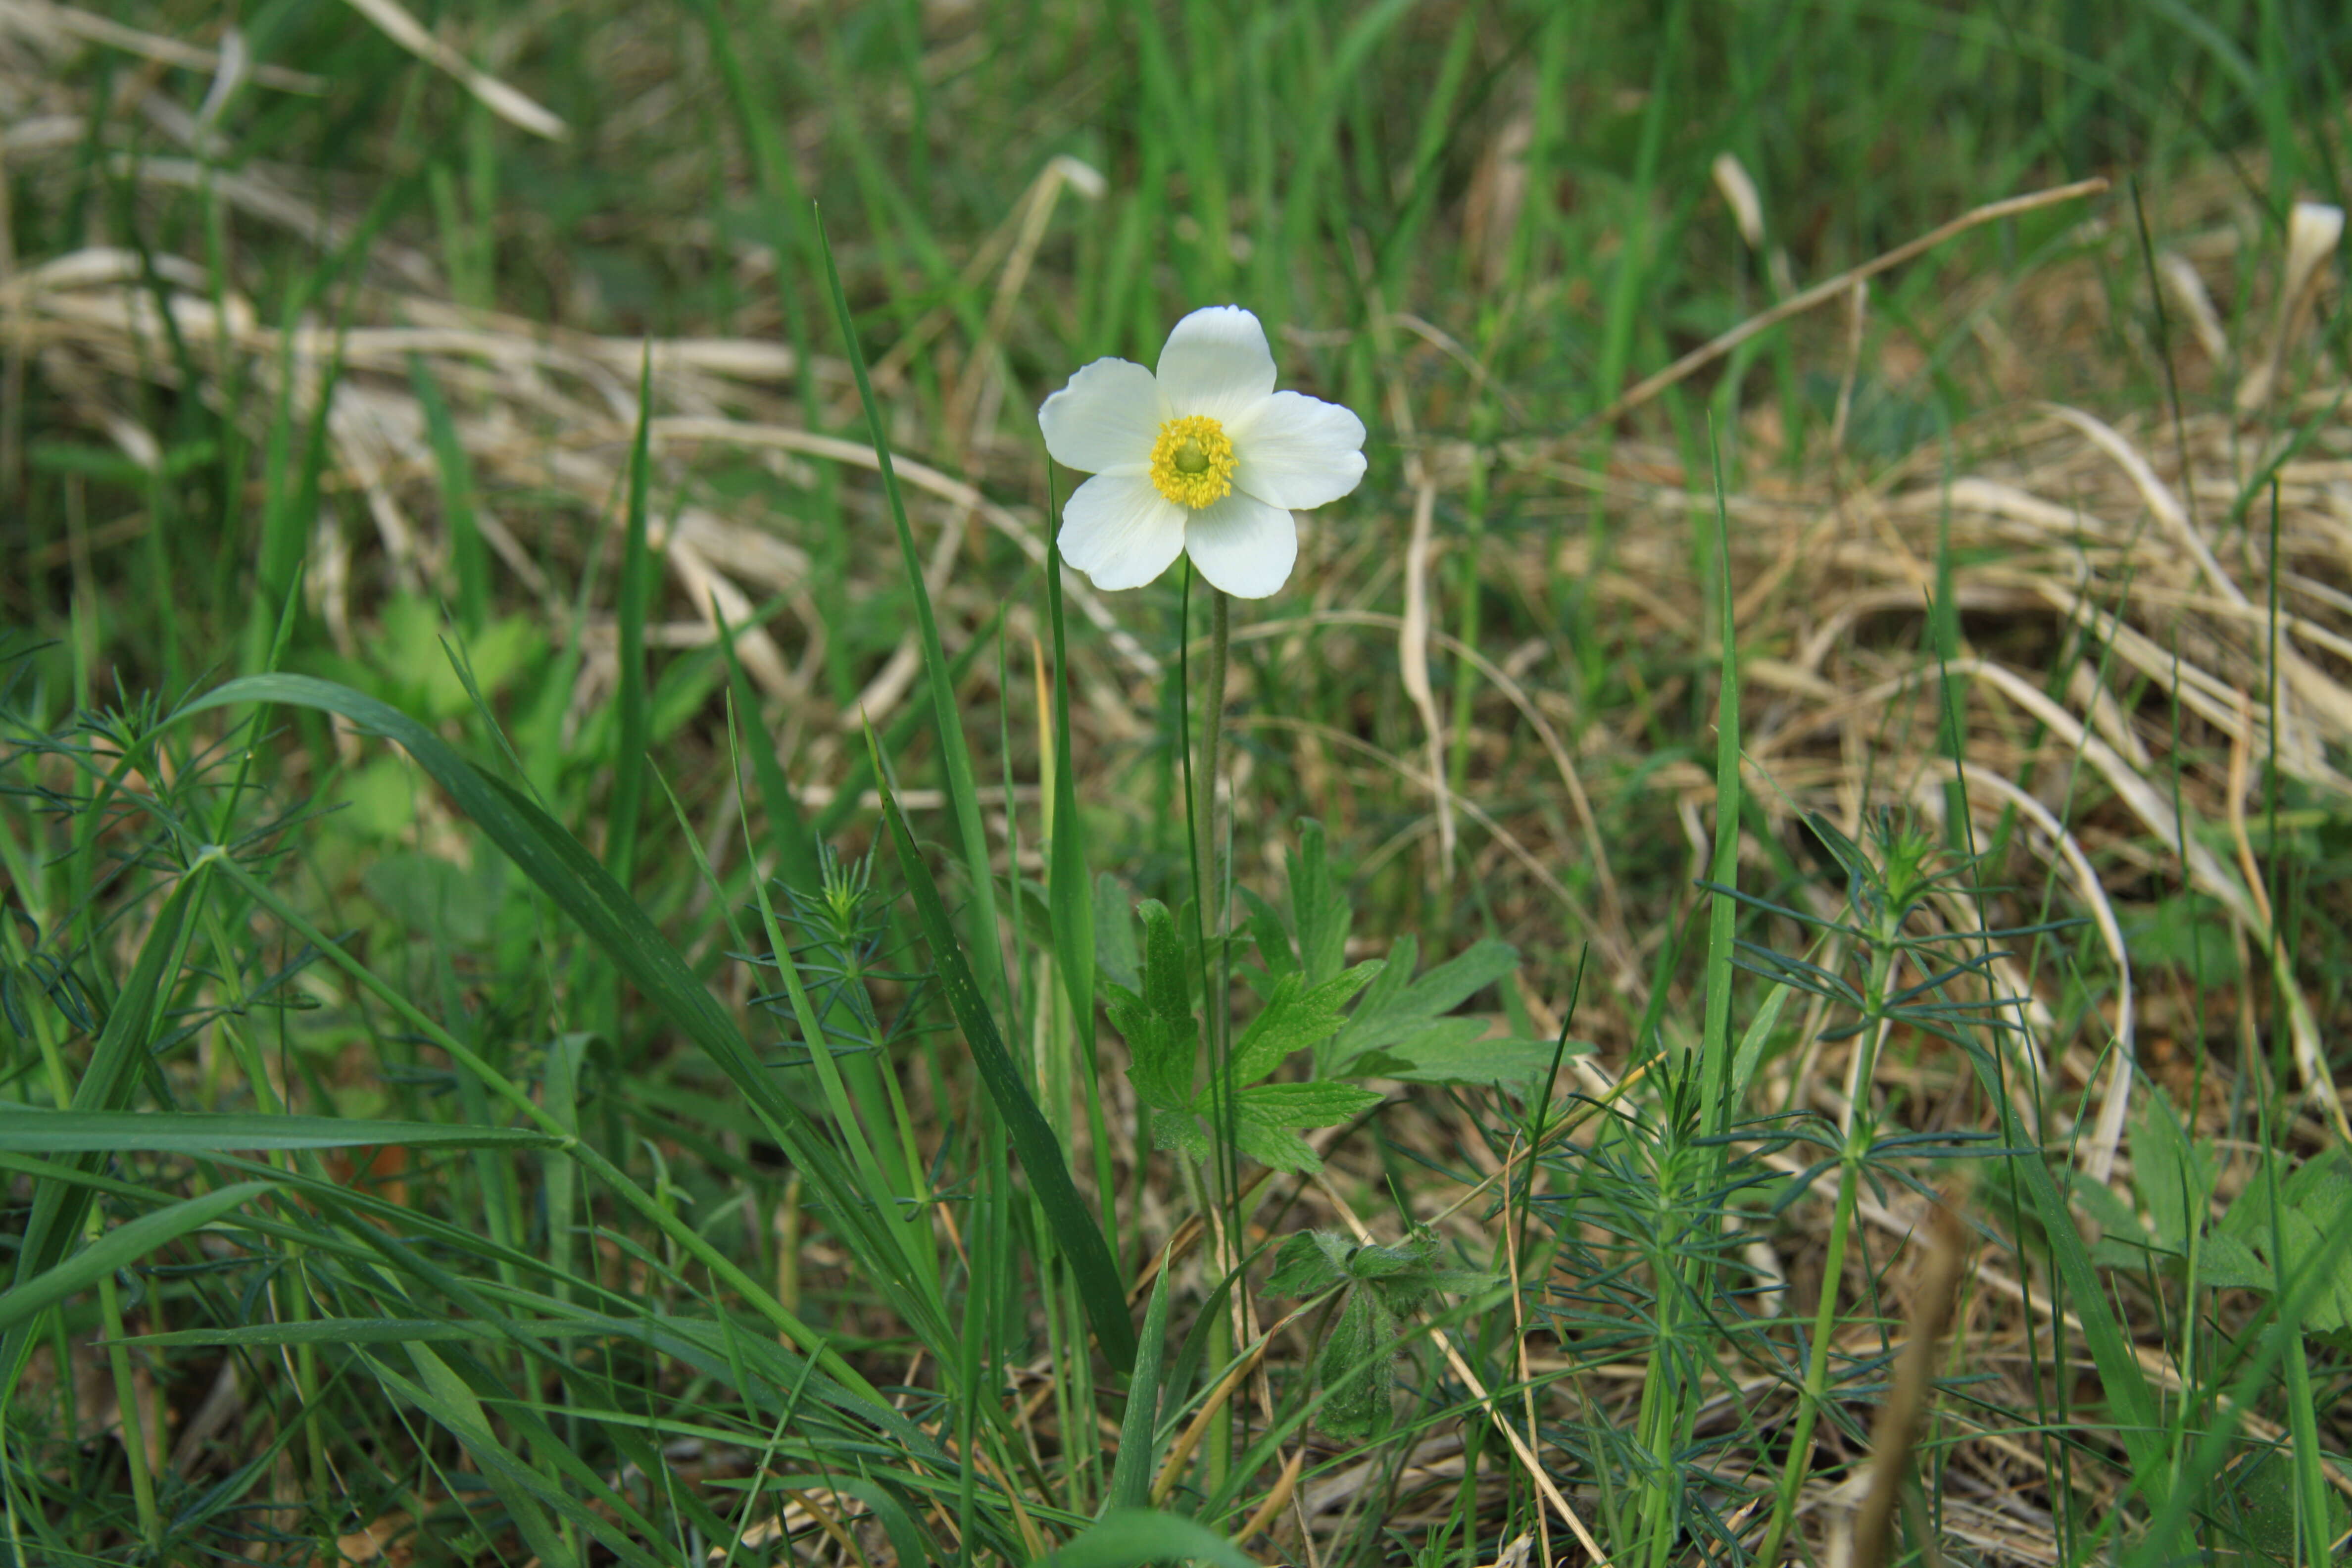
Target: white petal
point(1108, 416)
point(1120, 531)
point(1298, 451)
point(1216, 362)
point(1243, 545)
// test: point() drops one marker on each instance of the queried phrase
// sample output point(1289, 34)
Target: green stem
point(1211, 903)
point(1800, 1441)
point(126, 1401)
point(1218, 1457)
point(110, 1306)
point(1213, 726)
point(1817, 1364)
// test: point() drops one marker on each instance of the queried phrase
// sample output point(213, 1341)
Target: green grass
point(475, 1086)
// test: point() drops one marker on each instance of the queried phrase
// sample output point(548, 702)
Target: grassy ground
point(491, 1076)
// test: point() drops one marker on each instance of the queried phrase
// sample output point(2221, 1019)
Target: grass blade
point(1075, 1230)
point(635, 597)
point(955, 755)
point(57, 1210)
point(31, 1131)
point(1132, 1537)
point(1138, 1455)
point(1717, 1091)
point(588, 894)
point(789, 839)
point(469, 561)
point(119, 1248)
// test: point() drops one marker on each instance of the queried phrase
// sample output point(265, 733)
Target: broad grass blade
point(1138, 1455)
point(1132, 1537)
point(788, 833)
point(632, 709)
point(588, 894)
point(1075, 1230)
point(122, 1046)
point(955, 754)
point(119, 1248)
point(29, 1131)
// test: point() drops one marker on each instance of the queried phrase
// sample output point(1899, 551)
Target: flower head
point(1205, 458)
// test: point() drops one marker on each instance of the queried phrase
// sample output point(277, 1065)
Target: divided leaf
point(1297, 1016)
point(1163, 1040)
point(1358, 1368)
point(1404, 1020)
point(1264, 1116)
point(1162, 1036)
point(1310, 1261)
point(2176, 1177)
point(1385, 1281)
point(2315, 1204)
point(1270, 935)
point(1319, 913)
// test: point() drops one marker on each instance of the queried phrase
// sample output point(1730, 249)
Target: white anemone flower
point(1204, 458)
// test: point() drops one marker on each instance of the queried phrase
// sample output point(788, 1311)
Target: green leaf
point(1115, 949)
point(1395, 1261)
point(1179, 1129)
point(1398, 1007)
point(630, 611)
point(2314, 1204)
point(1162, 1036)
point(1129, 1537)
point(1079, 1238)
point(1271, 937)
point(2225, 1263)
point(1274, 1147)
point(23, 1131)
point(1296, 1016)
point(2114, 1217)
point(120, 1247)
point(1300, 1104)
point(1138, 1455)
point(2174, 1182)
point(955, 753)
point(1358, 1368)
point(1319, 911)
point(1264, 1117)
point(1753, 1039)
point(1458, 979)
point(1459, 1050)
point(1160, 1068)
point(1165, 990)
point(60, 1208)
point(1310, 1262)
point(339, 1331)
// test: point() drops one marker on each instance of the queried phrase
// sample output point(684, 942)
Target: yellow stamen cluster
point(1192, 461)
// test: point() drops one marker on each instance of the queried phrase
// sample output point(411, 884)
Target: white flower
point(1205, 458)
